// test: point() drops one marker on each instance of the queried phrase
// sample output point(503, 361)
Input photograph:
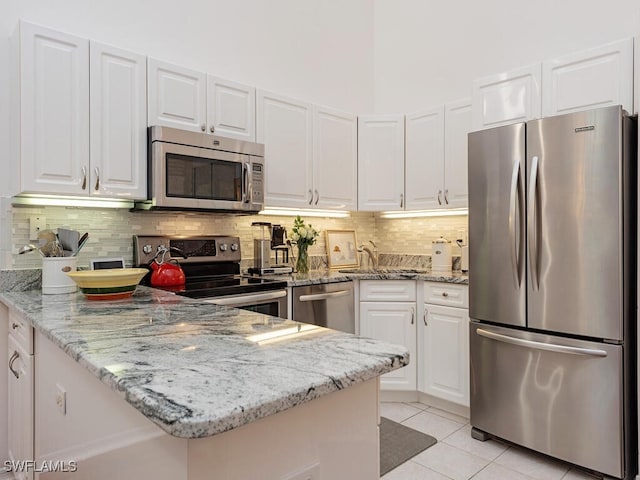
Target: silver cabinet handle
point(84, 178)
point(402, 200)
point(97, 187)
point(323, 296)
point(203, 127)
point(310, 197)
point(212, 129)
point(439, 197)
point(13, 358)
point(533, 244)
point(413, 315)
point(317, 198)
point(424, 316)
point(15, 325)
point(446, 196)
point(550, 347)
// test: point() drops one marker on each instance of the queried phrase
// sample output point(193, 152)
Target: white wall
point(428, 51)
point(319, 51)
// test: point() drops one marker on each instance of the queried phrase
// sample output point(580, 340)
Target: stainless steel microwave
point(197, 171)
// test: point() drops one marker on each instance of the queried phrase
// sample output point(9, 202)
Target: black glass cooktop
point(226, 285)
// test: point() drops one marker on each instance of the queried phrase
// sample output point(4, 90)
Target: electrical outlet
point(36, 225)
point(61, 399)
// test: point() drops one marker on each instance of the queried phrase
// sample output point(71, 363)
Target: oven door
point(271, 302)
point(199, 178)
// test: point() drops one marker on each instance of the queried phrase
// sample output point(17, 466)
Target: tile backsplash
point(111, 230)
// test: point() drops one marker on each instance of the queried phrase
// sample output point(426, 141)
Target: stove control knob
point(147, 249)
point(234, 247)
point(223, 247)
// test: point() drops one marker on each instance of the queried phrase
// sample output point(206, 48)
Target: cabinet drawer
point(20, 329)
point(448, 294)
point(388, 290)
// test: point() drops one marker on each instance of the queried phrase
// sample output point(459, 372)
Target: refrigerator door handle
point(533, 246)
point(516, 255)
point(550, 347)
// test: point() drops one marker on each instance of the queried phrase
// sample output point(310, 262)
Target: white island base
point(333, 437)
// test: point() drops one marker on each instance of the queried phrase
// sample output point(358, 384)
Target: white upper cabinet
point(231, 109)
point(285, 126)
point(506, 98)
point(52, 108)
point(182, 98)
point(436, 156)
point(118, 82)
point(589, 79)
point(177, 96)
point(380, 162)
point(424, 159)
point(335, 159)
point(457, 122)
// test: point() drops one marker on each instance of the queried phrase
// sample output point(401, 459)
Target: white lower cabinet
point(443, 353)
point(388, 312)
point(20, 395)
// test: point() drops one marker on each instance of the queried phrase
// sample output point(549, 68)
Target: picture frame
point(342, 248)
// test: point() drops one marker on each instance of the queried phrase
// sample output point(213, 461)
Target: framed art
point(342, 248)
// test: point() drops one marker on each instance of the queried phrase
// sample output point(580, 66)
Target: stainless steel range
point(211, 264)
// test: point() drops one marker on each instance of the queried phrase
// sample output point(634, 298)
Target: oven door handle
point(323, 296)
point(243, 299)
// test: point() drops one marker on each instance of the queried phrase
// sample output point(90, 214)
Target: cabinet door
point(381, 162)
point(54, 103)
point(457, 125)
point(589, 79)
point(118, 123)
point(393, 322)
point(506, 98)
point(335, 159)
point(231, 109)
point(424, 159)
point(285, 128)
point(177, 96)
point(20, 390)
point(444, 359)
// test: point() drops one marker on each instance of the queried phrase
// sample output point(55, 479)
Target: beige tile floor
point(457, 456)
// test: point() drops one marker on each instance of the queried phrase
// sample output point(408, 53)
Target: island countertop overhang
point(197, 369)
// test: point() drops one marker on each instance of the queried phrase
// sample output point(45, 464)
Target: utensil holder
point(54, 277)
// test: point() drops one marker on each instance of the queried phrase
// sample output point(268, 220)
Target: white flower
point(302, 232)
point(295, 237)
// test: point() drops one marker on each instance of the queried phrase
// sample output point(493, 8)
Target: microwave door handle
point(245, 182)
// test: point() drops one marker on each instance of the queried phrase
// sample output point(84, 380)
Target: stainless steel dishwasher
point(328, 305)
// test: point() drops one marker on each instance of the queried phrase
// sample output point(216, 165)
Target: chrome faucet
point(373, 254)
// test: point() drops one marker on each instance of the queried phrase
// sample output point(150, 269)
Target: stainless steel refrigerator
point(552, 287)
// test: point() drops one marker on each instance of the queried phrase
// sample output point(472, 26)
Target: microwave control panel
point(257, 174)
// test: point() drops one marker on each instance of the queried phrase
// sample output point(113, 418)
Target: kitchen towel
point(399, 443)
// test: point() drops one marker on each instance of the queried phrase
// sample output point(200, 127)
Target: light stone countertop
point(193, 368)
point(316, 277)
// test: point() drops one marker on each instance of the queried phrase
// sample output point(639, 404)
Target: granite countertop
point(198, 369)
point(316, 277)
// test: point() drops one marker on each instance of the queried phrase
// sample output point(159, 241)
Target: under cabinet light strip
point(425, 213)
point(305, 212)
point(36, 200)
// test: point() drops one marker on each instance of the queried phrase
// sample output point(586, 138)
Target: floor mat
point(399, 443)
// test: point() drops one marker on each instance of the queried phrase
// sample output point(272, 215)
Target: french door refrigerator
point(552, 302)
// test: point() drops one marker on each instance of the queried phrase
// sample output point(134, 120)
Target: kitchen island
point(209, 392)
